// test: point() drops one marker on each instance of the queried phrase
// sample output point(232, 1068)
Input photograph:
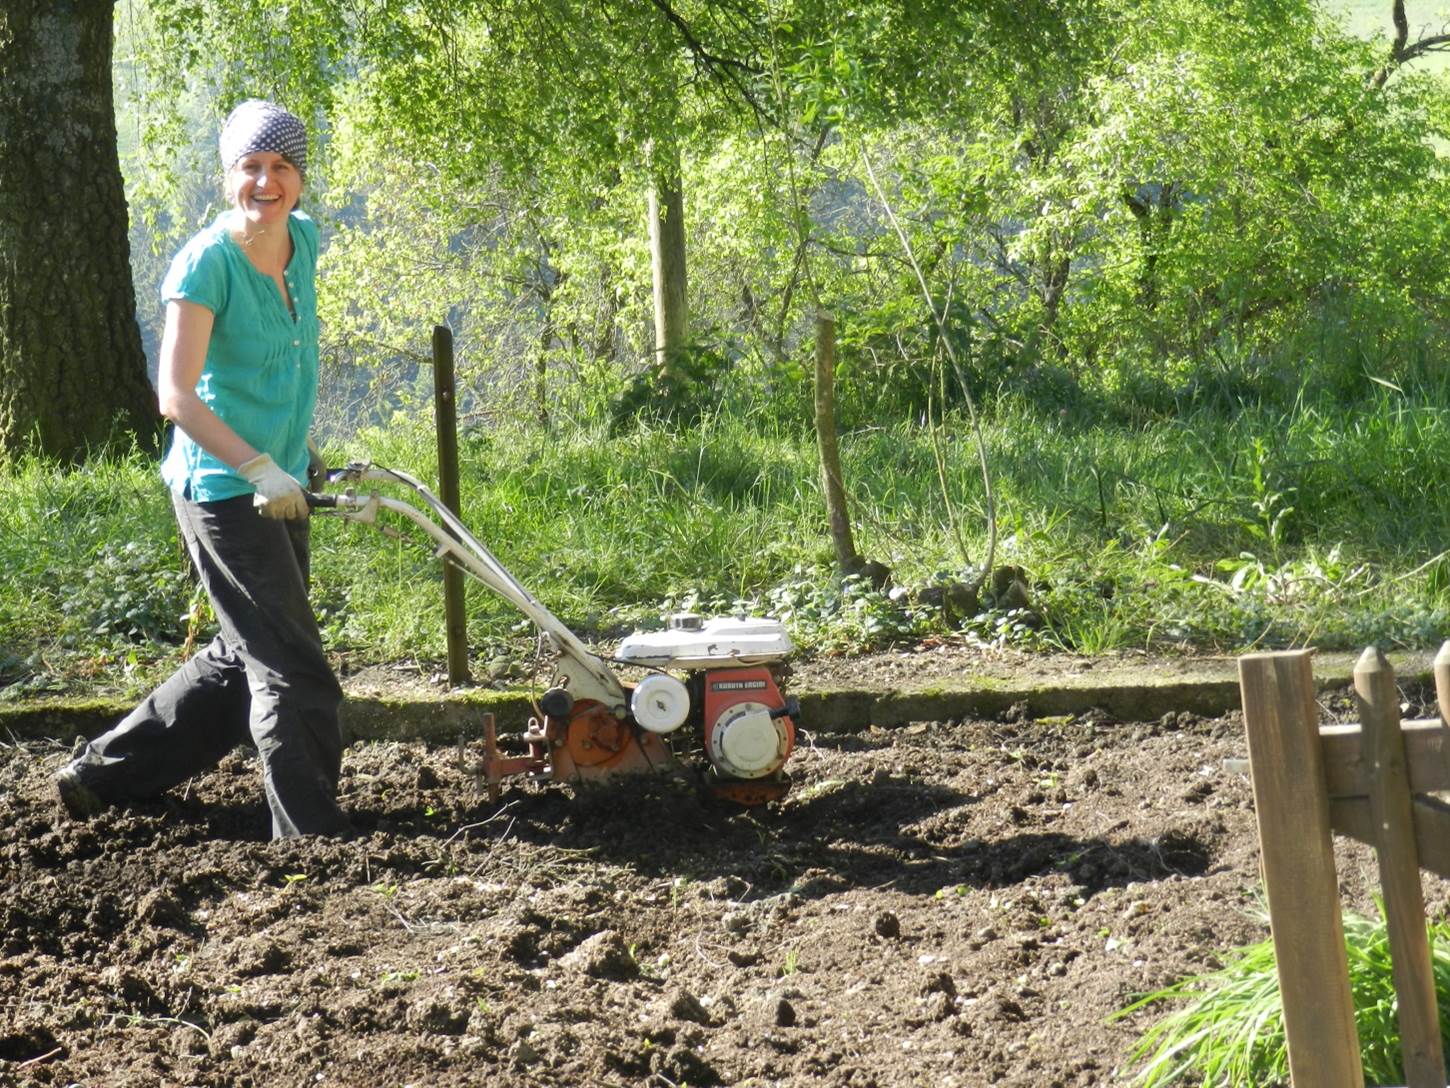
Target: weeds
point(791, 964)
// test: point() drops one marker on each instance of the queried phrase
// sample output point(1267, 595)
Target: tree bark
point(541, 366)
point(838, 518)
point(1055, 272)
point(1152, 207)
point(667, 255)
point(1401, 49)
point(72, 370)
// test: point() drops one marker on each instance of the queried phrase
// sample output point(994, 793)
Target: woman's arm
point(183, 354)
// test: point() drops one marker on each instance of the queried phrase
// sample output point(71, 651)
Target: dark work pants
point(264, 680)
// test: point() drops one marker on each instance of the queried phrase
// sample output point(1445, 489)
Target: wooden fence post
point(1442, 681)
point(837, 518)
point(445, 409)
point(1292, 802)
point(1399, 869)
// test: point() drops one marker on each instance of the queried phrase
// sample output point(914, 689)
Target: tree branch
point(1402, 50)
point(1435, 43)
point(721, 67)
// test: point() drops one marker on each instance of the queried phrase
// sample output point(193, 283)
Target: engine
point(748, 725)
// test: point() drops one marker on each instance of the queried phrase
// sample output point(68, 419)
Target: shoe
point(79, 799)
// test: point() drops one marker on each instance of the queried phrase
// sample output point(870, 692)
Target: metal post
point(446, 416)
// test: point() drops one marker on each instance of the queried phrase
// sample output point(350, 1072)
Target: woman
point(238, 378)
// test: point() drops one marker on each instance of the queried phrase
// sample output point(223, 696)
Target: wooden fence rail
point(1366, 781)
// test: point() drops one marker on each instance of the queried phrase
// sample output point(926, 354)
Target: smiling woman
point(263, 188)
point(238, 378)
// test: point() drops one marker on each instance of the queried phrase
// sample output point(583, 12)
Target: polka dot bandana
point(262, 126)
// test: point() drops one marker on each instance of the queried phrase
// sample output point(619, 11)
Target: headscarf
point(256, 125)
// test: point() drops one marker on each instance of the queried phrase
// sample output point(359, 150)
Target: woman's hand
point(278, 495)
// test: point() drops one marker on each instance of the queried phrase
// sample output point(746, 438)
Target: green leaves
point(1227, 1027)
point(1120, 197)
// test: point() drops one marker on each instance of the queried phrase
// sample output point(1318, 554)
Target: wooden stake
point(1286, 765)
point(837, 518)
point(445, 409)
point(1442, 681)
point(1399, 868)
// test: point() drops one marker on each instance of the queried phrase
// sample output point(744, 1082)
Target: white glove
point(278, 495)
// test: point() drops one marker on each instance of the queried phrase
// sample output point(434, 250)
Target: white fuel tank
point(692, 642)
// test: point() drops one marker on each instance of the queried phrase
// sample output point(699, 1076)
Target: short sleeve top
point(260, 374)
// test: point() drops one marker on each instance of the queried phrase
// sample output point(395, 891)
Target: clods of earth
point(950, 903)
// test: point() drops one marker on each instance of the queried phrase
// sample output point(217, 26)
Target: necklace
point(248, 240)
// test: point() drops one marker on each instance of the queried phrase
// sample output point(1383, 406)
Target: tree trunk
point(1055, 273)
point(1152, 207)
point(837, 516)
point(606, 333)
point(541, 367)
point(546, 283)
point(667, 255)
point(72, 370)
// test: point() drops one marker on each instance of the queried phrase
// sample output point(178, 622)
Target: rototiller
point(715, 682)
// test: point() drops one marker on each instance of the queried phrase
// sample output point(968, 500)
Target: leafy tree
point(1182, 196)
point(1247, 184)
point(551, 103)
point(1105, 198)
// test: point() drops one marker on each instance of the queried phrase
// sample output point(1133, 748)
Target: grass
point(1263, 527)
point(1227, 1030)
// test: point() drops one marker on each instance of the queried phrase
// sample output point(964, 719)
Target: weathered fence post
point(1442, 681)
point(1292, 801)
point(837, 518)
point(445, 413)
point(1383, 750)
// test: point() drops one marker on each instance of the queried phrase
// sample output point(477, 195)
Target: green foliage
point(88, 557)
point(1147, 213)
point(132, 591)
point(1227, 1029)
point(691, 387)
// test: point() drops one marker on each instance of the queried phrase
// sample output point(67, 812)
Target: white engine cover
point(728, 640)
point(660, 703)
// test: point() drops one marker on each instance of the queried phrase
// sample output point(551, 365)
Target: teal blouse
point(260, 374)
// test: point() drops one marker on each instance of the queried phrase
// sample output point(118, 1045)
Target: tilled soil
point(953, 903)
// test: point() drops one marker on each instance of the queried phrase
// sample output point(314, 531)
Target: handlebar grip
point(317, 500)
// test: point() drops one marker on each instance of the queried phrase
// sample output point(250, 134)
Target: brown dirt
point(949, 903)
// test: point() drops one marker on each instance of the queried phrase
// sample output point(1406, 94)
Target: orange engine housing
point(749, 733)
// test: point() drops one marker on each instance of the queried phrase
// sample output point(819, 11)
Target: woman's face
point(264, 187)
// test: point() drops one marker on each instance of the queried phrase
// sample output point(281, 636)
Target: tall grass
point(1265, 526)
point(1226, 1029)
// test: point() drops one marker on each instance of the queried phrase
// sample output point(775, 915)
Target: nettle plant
point(137, 591)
